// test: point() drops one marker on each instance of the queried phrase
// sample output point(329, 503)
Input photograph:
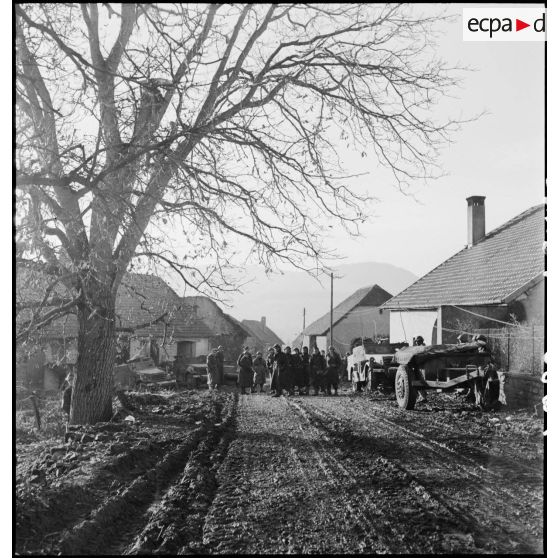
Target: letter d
point(539, 25)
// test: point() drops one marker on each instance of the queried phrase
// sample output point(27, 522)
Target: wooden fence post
point(36, 410)
point(533, 349)
point(508, 351)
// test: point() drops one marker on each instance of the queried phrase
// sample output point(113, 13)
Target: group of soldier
point(290, 371)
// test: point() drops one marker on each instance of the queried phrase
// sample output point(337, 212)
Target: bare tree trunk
point(92, 393)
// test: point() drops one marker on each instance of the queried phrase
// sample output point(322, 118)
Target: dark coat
point(317, 369)
point(245, 372)
point(281, 368)
point(305, 368)
point(260, 370)
point(317, 363)
point(297, 370)
point(212, 369)
point(333, 363)
point(221, 366)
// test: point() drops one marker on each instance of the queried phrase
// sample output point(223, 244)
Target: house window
point(186, 349)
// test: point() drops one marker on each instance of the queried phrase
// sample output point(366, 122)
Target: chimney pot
point(263, 321)
point(475, 220)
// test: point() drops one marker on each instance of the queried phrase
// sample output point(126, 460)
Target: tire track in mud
point(509, 462)
point(117, 521)
point(279, 493)
point(113, 518)
point(527, 480)
point(66, 506)
point(317, 498)
point(420, 530)
point(438, 474)
point(175, 524)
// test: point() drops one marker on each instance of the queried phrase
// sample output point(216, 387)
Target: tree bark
point(92, 393)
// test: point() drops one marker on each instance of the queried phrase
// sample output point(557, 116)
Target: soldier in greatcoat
point(221, 364)
point(333, 363)
point(305, 357)
point(289, 376)
point(418, 341)
point(245, 371)
point(297, 367)
point(280, 371)
point(260, 370)
point(212, 370)
point(317, 370)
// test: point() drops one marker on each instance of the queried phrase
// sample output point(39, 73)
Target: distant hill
point(281, 298)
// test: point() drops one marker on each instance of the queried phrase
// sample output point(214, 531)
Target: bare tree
point(217, 120)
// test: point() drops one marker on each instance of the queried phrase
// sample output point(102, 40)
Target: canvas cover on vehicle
point(424, 353)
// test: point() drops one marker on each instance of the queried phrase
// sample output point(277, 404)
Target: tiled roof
point(186, 325)
point(299, 339)
point(213, 316)
point(367, 296)
point(261, 332)
point(141, 299)
point(508, 258)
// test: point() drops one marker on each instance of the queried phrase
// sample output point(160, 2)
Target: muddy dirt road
point(213, 473)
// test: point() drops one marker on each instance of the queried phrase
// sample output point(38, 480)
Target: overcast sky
point(500, 156)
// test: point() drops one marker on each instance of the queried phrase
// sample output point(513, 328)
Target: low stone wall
point(522, 390)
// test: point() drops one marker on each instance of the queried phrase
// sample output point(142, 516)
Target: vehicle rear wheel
point(405, 392)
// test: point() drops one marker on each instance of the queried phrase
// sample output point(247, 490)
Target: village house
point(358, 316)
point(494, 285)
point(260, 336)
point(226, 330)
point(152, 321)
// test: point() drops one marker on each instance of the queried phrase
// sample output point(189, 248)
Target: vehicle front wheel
point(405, 392)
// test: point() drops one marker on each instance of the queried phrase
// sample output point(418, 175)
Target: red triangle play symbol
point(519, 25)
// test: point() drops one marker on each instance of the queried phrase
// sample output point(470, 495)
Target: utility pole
point(331, 314)
point(303, 326)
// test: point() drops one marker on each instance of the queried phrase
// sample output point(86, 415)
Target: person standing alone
point(212, 370)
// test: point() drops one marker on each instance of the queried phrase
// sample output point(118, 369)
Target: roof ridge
point(511, 222)
point(489, 236)
point(364, 291)
point(424, 276)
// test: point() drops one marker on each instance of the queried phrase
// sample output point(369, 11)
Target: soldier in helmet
point(418, 341)
point(280, 371)
point(290, 375)
point(462, 338)
point(212, 370)
point(317, 370)
point(305, 378)
point(260, 370)
point(297, 371)
point(220, 365)
point(333, 363)
point(245, 372)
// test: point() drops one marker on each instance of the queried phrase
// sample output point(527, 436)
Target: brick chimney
point(475, 220)
point(263, 321)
